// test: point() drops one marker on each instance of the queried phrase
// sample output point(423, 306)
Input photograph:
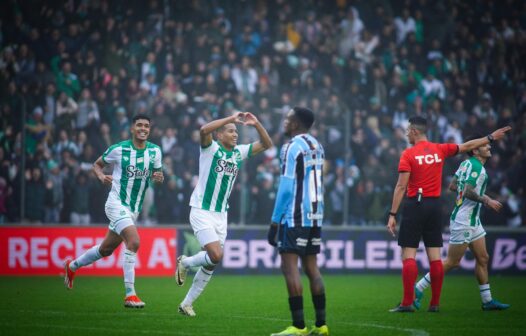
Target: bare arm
point(206, 130)
point(398, 195)
point(265, 142)
point(476, 143)
point(97, 170)
point(453, 184)
point(470, 193)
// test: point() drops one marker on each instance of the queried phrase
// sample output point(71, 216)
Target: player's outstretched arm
point(97, 170)
point(476, 143)
point(206, 130)
point(398, 195)
point(265, 142)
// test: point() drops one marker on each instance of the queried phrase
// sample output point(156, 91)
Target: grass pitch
point(250, 305)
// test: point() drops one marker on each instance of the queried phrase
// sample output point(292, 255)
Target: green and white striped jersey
point(132, 169)
point(218, 169)
point(467, 212)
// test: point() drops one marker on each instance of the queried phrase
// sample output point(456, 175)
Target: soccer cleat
point(495, 305)
point(69, 275)
point(187, 310)
point(133, 301)
point(433, 309)
point(319, 331)
point(402, 309)
point(418, 297)
point(180, 272)
point(292, 331)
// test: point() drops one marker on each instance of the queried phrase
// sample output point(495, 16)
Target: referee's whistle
point(419, 194)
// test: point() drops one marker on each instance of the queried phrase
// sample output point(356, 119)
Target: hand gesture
point(391, 225)
point(158, 177)
point(238, 117)
point(250, 119)
point(493, 204)
point(105, 179)
point(499, 134)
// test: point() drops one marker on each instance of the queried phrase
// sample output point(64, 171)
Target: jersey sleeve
point(112, 154)
point(288, 160)
point(448, 150)
point(158, 161)
point(404, 165)
point(473, 173)
point(212, 148)
point(245, 150)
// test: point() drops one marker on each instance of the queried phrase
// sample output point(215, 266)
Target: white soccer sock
point(129, 271)
point(485, 293)
point(201, 279)
point(424, 282)
point(198, 259)
point(87, 258)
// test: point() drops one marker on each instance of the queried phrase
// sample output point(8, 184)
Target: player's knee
point(450, 263)
point(216, 256)
point(105, 251)
point(133, 245)
point(483, 259)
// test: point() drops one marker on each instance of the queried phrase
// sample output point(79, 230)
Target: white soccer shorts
point(120, 216)
point(464, 234)
point(208, 226)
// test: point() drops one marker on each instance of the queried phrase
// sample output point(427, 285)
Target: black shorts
point(299, 240)
point(421, 220)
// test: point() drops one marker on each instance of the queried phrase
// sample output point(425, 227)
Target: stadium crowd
point(79, 70)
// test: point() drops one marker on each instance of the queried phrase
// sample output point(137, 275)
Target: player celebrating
point(469, 182)
point(134, 163)
point(219, 163)
point(420, 173)
point(298, 217)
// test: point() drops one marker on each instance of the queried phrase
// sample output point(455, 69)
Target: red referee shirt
point(425, 161)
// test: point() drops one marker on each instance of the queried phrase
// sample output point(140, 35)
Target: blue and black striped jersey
point(299, 202)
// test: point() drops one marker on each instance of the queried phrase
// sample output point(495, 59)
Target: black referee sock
point(296, 309)
point(319, 307)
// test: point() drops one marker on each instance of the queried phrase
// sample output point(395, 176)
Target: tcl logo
point(428, 159)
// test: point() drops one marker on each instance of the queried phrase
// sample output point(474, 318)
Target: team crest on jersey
point(125, 158)
point(219, 154)
point(236, 156)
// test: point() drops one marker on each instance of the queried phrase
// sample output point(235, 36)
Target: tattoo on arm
point(471, 194)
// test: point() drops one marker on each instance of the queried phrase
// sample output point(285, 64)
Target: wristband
point(392, 214)
point(490, 138)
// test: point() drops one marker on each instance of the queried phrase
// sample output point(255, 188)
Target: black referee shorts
point(421, 220)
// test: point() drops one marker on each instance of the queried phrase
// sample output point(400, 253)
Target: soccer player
point(219, 163)
point(297, 219)
point(420, 174)
point(469, 183)
point(135, 162)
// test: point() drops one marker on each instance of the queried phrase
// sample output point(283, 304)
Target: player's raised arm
point(97, 170)
point(206, 130)
point(476, 143)
point(265, 142)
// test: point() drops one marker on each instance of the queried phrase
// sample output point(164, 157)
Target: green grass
point(250, 305)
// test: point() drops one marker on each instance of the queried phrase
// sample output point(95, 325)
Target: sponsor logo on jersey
point(225, 166)
point(132, 171)
point(428, 159)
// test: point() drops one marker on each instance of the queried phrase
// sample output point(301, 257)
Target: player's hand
point(250, 119)
point(106, 179)
point(158, 177)
point(391, 225)
point(494, 205)
point(500, 133)
point(271, 236)
point(238, 117)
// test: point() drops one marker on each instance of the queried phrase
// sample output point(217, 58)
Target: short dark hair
point(473, 137)
point(141, 116)
point(420, 123)
point(305, 116)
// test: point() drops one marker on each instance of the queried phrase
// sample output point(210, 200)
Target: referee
point(420, 175)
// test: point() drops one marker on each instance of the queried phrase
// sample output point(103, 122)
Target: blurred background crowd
point(73, 73)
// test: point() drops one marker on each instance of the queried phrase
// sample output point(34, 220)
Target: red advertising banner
point(42, 251)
